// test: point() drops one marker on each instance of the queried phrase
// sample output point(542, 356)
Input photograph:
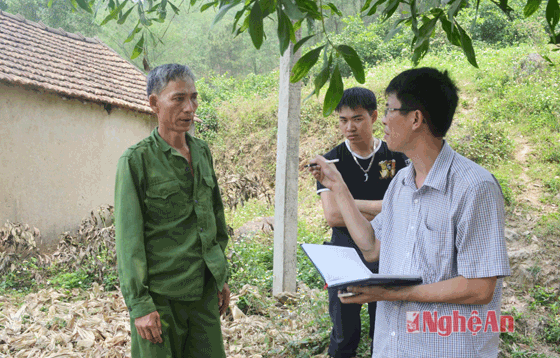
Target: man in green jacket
point(170, 230)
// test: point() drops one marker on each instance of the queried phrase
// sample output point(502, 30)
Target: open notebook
point(342, 267)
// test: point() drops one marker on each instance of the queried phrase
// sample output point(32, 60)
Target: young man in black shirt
point(367, 167)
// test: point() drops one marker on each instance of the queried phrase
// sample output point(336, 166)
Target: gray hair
point(159, 77)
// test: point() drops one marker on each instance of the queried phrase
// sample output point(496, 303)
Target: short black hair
point(159, 77)
point(430, 91)
point(358, 97)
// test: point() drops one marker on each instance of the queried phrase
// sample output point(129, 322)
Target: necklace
point(370, 162)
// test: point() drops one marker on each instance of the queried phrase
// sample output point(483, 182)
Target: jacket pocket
point(166, 202)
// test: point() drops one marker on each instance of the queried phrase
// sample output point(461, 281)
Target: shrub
point(369, 42)
point(490, 25)
point(485, 144)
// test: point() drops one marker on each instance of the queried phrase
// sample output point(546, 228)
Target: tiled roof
point(71, 65)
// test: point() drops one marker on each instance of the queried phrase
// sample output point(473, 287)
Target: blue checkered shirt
point(453, 225)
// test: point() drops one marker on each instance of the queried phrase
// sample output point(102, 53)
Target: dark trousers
point(345, 334)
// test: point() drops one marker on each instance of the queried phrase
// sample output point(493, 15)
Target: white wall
point(58, 157)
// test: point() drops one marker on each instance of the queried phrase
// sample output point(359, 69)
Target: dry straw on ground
point(95, 323)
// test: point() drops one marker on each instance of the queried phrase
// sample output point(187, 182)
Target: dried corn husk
point(46, 326)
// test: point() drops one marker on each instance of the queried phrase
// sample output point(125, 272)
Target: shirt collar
point(163, 145)
point(437, 177)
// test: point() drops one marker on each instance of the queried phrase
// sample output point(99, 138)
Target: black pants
point(345, 335)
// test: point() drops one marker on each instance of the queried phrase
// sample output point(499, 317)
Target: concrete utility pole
point(287, 168)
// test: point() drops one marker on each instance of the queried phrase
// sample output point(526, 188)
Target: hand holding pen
point(315, 164)
point(325, 172)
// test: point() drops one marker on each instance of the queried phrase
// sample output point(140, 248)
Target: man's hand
point(223, 299)
point(375, 293)
point(149, 327)
point(325, 173)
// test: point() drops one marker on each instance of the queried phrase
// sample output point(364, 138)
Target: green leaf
point(334, 93)
point(142, 15)
point(138, 48)
point(123, 18)
point(414, 17)
point(420, 50)
point(452, 33)
point(267, 7)
point(207, 6)
point(285, 31)
point(304, 64)
point(115, 13)
point(301, 42)
point(552, 14)
point(334, 9)
point(353, 60)
point(366, 5)
point(154, 8)
point(292, 10)
point(323, 76)
point(133, 33)
point(550, 63)
point(373, 9)
point(256, 28)
point(49, 4)
point(455, 6)
point(426, 30)
point(390, 9)
point(531, 7)
point(503, 5)
point(394, 30)
point(175, 8)
point(466, 45)
point(224, 11)
point(84, 5)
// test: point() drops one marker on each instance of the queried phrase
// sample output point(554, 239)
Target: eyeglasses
point(387, 110)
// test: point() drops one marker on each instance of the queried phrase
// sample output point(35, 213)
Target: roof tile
point(32, 54)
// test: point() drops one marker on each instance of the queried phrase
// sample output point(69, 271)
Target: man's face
point(396, 125)
point(356, 124)
point(175, 105)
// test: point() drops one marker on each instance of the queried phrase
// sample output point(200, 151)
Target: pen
point(314, 165)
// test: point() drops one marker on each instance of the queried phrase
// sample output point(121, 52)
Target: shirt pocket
point(435, 255)
point(166, 202)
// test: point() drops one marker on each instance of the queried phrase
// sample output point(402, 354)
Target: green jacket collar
point(166, 148)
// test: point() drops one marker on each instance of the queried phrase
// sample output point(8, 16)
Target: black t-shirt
point(384, 167)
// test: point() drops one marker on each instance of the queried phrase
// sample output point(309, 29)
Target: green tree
point(421, 17)
point(60, 14)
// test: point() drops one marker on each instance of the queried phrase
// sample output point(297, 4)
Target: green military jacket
point(169, 222)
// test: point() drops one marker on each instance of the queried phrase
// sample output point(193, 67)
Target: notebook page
point(337, 264)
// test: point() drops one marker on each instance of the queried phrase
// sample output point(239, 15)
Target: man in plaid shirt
point(442, 219)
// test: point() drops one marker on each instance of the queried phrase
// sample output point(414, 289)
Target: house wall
point(58, 158)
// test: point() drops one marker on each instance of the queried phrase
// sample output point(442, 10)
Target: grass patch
point(484, 143)
point(549, 225)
